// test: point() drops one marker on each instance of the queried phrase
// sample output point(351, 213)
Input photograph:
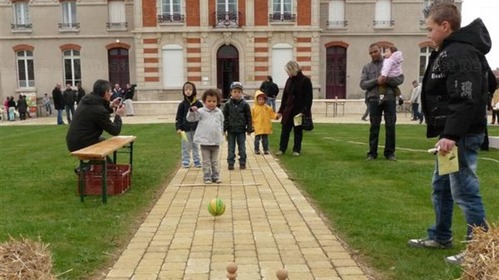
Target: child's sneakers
point(257, 152)
point(266, 152)
point(217, 180)
point(186, 165)
point(198, 165)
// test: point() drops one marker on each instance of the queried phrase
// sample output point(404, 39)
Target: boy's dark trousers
point(265, 142)
point(240, 138)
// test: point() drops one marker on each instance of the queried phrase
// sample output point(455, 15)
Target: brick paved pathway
point(268, 225)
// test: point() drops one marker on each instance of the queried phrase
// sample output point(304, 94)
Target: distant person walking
point(69, 102)
point(271, 90)
point(58, 103)
point(129, 93)
point(416, 102)
point(80, 92)
point(47, 104)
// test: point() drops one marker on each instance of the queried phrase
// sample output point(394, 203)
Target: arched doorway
point(227, 68)
point(336, 72)
point(119, 72)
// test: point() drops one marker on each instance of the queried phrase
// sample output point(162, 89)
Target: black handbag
point(307, 123)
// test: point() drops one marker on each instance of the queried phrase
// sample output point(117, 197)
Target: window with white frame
point(117, 15)
point(25, 69)
point(173, 55)
point(281, 54)
point(336, 17)
point(21, 16)
point(227, 14)
point(72, 67)
point(69, 19)
point(282, 6)
point(424, 58)
point(383, 13)
point(282, 10)
point(170, 11)
point(226, 6)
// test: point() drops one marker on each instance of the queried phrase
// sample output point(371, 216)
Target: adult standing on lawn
point(69, 102)
point(58, 103)
point(93, 116)
point(371, 84)
point(296, 99)
point(454, 98)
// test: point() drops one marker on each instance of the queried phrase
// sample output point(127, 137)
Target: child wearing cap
point(237, 122)
point(262, 115)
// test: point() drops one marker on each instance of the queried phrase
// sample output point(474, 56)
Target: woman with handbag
point(296, 99)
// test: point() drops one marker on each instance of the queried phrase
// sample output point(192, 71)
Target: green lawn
point(374, 206)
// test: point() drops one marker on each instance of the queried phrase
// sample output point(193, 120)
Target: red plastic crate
point(118, 179)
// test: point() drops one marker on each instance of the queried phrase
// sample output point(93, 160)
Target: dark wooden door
point(227, 68)
point(119, 69)
point(336, 72)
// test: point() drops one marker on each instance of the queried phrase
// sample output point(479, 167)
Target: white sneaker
point(456, 259)
point(208, 182)
point(296, 154)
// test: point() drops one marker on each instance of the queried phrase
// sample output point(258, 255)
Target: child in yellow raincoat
point(262, 116)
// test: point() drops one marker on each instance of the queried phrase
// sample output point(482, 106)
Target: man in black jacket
point(58, 103)
point(379, 107)
point(271, 90)
point(454, 98)
point(93, 116)
point(69, 102)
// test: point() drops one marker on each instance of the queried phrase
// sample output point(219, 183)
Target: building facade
point(44, 43)
point(161, 44)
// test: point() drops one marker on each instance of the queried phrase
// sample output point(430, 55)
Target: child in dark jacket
point(237, 122)
point(186, 129)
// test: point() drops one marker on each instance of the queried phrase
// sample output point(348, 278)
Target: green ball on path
point(216, 207)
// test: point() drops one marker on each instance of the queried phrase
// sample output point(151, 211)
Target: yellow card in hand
point(448, 163)
point(297, 120)
point(183, 135)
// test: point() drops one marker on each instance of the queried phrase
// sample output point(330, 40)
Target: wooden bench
point(98, 153)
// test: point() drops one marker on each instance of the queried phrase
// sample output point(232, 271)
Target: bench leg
point(104, 181)
point(81, 182)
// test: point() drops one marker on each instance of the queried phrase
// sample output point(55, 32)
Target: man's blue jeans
point(240, 138)
point(271, 102)
point(70, 111)
point(59, 116)
point(461, 187)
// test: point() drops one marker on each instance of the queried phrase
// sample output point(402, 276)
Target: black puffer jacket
point(92, 117)
point(455, 84)
point(237, 116)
